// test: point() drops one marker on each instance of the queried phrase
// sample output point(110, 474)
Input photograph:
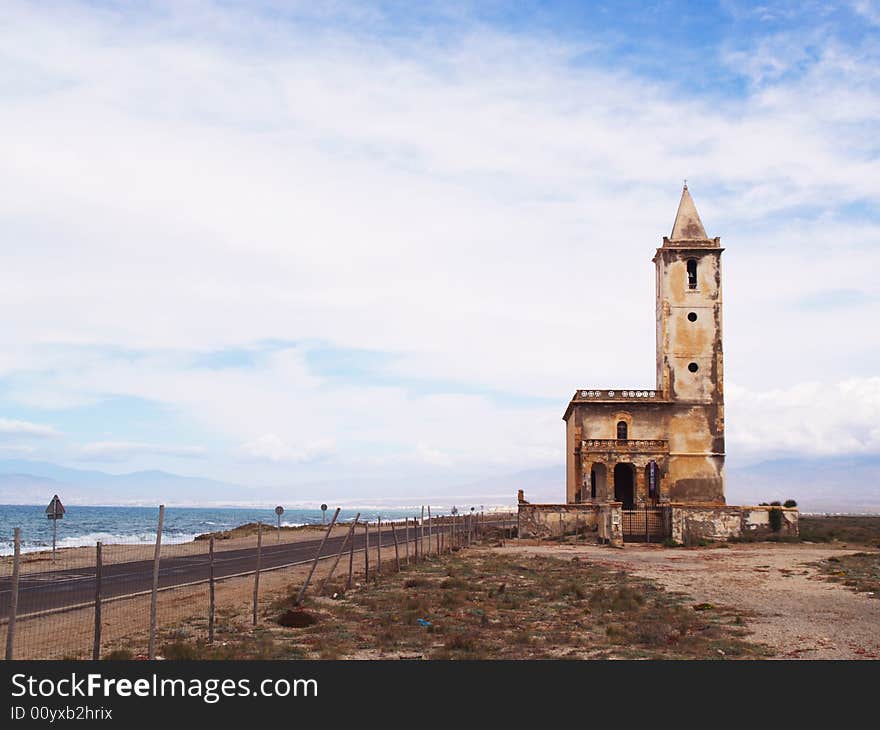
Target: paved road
point(70, 587)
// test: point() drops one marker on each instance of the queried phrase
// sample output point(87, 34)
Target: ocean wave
point(89, 539)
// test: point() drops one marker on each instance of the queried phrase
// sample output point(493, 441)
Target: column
point(641, 482)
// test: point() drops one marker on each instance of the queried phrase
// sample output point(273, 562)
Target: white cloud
point(812, 418)
point(483, 209)
point(270, 447)
point(10, 427)
point(109, 451)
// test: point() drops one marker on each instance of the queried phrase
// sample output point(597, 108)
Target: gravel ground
point(793, 610)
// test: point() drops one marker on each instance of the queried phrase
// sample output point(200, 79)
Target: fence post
point(348, 535)
point(259, 566)
point(211, 590)
point(302, 591)
point(396, 549)
point(13, 594)
point(155, 594)
point(351, 558)
point(406, 542)
point(416, 540)
point(99, 569)
point(379, 545)
point(422, 533)
point(367, 551)
point(429, 529)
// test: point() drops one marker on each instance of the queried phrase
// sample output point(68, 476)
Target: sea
point(84, 526)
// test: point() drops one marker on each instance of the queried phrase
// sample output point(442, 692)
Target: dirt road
point(794, 611)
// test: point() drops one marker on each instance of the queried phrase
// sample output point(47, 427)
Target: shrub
point(775, 518)
point(789, 503)
point(119, 655)
point(180, 650)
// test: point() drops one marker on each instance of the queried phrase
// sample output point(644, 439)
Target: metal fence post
point(13, 594)
point(211, 590)
point(99, 569)
point(302, 591)
point(257, 571)
point(348, 536)
point(155, 594)
point(366, 552)
point(351, 559)
point(396, 548)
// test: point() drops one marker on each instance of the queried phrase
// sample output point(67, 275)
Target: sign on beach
point(55, 510)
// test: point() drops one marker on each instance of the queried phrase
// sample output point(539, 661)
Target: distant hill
point(34, 482)
point(828, 484)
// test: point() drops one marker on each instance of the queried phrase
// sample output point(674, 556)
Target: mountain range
point(848, 484)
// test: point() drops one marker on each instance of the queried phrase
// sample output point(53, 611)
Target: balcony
point(641, 446)
point(614, 394)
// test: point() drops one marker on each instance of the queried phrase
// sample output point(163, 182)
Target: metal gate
point(646, 524)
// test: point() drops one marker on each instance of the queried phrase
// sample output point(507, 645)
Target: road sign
point(323, 514)
point(279, 510)
point(55, 510)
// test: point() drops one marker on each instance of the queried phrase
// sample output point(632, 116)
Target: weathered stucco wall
point(686, 408)
point(692, 523)
point(555, 520)
point(690, 467)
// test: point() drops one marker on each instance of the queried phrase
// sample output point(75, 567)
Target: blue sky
point(276, 243)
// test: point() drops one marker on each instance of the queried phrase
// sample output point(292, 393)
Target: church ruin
point(654, 445)
point(647, 464)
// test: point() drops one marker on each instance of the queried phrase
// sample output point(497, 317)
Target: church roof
point(687, 226)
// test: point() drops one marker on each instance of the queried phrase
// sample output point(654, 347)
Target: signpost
point(279, 510)
point(323, 514)
point(55, 511)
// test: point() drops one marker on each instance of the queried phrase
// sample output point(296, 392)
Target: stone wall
point(555, 520)
point(693, 523)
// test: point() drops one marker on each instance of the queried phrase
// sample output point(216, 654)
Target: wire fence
point(128, 600)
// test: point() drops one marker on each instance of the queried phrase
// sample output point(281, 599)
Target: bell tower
point(690, 366)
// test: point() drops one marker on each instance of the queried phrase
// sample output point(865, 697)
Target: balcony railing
point(636, 445)
point(615, 394)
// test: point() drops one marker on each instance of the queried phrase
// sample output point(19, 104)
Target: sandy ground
point(794, 611)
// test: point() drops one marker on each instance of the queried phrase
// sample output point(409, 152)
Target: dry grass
point(479, 604)
point(859, 571)
point(850, 529)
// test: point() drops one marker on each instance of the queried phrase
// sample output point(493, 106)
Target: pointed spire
point(687, 226)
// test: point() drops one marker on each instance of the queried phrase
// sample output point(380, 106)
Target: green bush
point(789, 503)
point(775, 518)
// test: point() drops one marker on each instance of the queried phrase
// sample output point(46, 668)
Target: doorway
point(624, 485)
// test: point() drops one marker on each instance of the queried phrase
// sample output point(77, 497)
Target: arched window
point(621, 430)
point(692, 273)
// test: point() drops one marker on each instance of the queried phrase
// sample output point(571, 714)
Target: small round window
point(693, 367)
point(692, 316)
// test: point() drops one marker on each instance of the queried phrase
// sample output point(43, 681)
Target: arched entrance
point(624, 485)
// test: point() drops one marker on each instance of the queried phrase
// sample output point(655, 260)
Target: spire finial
point(687, 226)
point(685, 183)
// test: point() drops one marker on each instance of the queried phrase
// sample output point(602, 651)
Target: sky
point(279, 243)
